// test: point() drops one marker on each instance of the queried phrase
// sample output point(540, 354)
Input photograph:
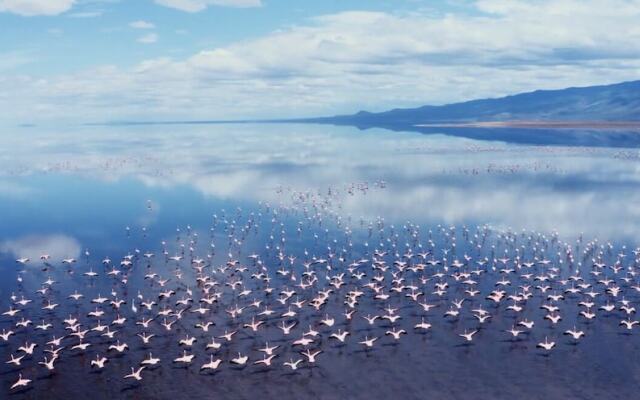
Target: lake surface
point(222, 192)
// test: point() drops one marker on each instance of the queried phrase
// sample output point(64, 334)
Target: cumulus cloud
point(32, 247)
point(199, 5)
point(140, 24)
point(355, 60)
point(29, 8)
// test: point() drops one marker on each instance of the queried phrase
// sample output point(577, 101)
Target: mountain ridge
point(613, 102)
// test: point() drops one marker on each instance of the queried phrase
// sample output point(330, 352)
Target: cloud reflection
point(57, 246)
point(431, 179)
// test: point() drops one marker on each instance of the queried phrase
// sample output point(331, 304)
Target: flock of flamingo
point(277, 288)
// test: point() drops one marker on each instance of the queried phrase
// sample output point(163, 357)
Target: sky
point(79, 61)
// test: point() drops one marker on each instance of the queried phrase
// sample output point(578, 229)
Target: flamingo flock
point(295, 280)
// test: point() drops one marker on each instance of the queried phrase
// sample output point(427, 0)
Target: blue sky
point(161, 59)
point(94, 32)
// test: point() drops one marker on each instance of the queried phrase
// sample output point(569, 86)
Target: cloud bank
point(355, 60)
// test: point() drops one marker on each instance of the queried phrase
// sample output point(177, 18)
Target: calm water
point(95, 192)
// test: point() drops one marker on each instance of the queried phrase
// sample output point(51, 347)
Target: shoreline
point(594, 125)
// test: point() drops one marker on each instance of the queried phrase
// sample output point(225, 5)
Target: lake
point(225, 192)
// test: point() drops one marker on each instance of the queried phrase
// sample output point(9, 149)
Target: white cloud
point(32, 247)
point(199, 5)
point(30, 8)
point(141, 25)
point(357, 60)
point(148, 38)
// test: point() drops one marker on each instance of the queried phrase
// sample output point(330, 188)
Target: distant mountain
point(617, 102)
point(597, 116)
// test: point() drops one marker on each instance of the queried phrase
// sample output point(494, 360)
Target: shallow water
point(93, 192)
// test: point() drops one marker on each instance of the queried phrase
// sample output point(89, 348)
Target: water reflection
point(432, 179)
point(531, 136)
point(33, 247)
point(95, 192)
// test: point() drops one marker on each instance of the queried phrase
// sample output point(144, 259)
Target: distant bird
point(28, 348)
point(340, 336)
point(514, 332)
point(150, 360)
point(293, 364)
point(422, 325)
point(268, 350)
point(119, 347)
point(145, 338)
point(21, 382)
point(266, 360)
point(396, 333)
point(574, 333)
point(311, 356)
point(547, 345)
point(368, 342)
point(240, 360)
point(629, 324)
point(135, 374)
point(48, 364)
point(468, 336)
point(99, 362)
point(185, 358)
point(212, 364)
point(15, 360)
point(187, 341)
point(6, 335)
